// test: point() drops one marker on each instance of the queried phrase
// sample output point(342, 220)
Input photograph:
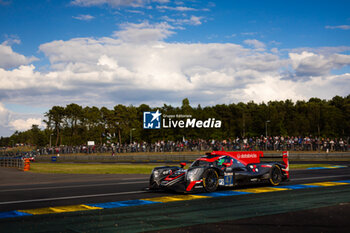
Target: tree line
point(75, 124)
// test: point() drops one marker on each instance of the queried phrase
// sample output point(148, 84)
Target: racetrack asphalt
point(326, 219)
point(21, 190)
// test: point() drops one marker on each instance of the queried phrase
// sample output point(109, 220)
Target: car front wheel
point(210, 180)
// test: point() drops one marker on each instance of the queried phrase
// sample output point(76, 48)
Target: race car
point(220, 169)
point(30, 157)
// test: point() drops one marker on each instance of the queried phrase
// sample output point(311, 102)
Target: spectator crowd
point(275, 143)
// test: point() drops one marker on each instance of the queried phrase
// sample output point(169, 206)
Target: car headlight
point(156, 174)
point(192, 174)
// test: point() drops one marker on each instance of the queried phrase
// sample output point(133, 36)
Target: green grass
point(79, 168)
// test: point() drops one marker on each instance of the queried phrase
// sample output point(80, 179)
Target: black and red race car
point(220, 169)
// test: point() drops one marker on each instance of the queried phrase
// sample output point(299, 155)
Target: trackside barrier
point(164, 158)
point(117, 158)
point(26, 165)
point(12, 162)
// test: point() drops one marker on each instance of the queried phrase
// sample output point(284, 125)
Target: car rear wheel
point(275, 175)
point(210, 180)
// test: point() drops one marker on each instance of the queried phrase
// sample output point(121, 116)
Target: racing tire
point(275, 175)
point(210, 180)
point(152, 184)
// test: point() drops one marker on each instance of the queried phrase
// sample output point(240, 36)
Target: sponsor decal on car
point(246, 156)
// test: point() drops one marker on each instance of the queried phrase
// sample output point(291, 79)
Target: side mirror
point(182, 165)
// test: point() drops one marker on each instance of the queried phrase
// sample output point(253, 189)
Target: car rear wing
point(285, 156)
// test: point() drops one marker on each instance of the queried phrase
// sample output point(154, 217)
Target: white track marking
point(73, 186)
point(71, 197)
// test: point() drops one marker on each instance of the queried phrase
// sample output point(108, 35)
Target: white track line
point(71, 197)
point(73, 186)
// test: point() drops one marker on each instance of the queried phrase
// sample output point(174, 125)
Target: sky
point(109, 52)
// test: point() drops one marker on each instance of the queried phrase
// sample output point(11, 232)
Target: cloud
point(231, 36)
point(11, 40)
point(106, 70)
point(112, 3)
point(177, 8)
point(25, 124)
point(343, 27)
point(10, 121)
point(248, 33)
point(321, 50)
point(84, 17)
point(9, 58)
point(136, 12)
point(193, 20)
point(4, 115)
point(258, 45)
point(144, 32)
point(307, 64)
point(115, 3)
point(274, 50)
